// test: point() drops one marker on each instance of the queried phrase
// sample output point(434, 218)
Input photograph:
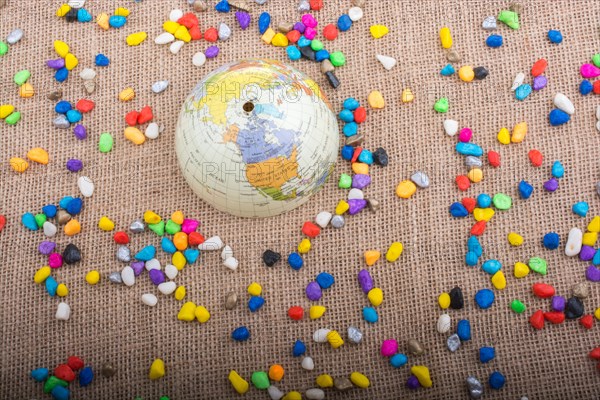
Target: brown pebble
point(516, 7)
point(63, 217)
point(453, 56)
point(327, 66)
point(580, 290)
point(373, 204)
point(89, 86)
point(358, 3)
point(342, 384)
point(56, 95)
point(200, 5)
point(231, 300)
point(285, 27)
point(354, 140)
point(415, 347)
point(108, 370)
point(240, 5)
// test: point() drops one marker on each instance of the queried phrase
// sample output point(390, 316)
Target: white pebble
point(63, 312)
point(574, 242)
point(176, 46)
point(444, 323)
point(49, 229)
point(224, 31)
point(489, 23)
point(87, 74)
point(212, 243)
point(562, 102)
point(226, 253)
point(598, 126)
point(171, 271)
point(231, 263)
point(420, 179)
point(387, 61)
point(152, 264)
point(598, 112)
point(355, 194)
point(160, 86)
point(199, 59)
point(167, 288)
point(86, 186)
point(322, 219)
point(303, 6)
point(275, 393)
point(76, 3)
point(320, 335)
point(175, 15)
point(315, 394)
point(152, 130)
point(164, 38)
point(128, 276)
point(355, 13)
point(14, 36)
point(451, 127)
point(149, 299)
point(308, 363)
point(518, 81)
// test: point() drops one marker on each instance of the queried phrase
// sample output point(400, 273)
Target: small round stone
point(475, 387)
point(270, 257)
point(354, 334)
point(415, 347)
point(115, 277)
point(108, 370)
point(453, 342)
point(337, 221)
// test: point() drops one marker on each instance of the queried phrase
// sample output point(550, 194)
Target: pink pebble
point(589, 71)
point(310, 33)
point(389, 348)
point(189, 225)
point(55, 260)
point(309, 21)
point(465, 135)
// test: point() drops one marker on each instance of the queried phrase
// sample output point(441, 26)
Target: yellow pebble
point(378, 31)
point(304, 246)
point(444, 300)
point(590, 238)
point(597, 313)
point(239, 384)
point(202, 314)
point(499, 280)
point(122, 12)
point(293, 395)
point(61, 48)
point(92, 277)
point(182, 33)
point(62, 290)
point(177, 217)
point(475, 175)
point(178, 260)
point(268, 36)
point(6, 110)
point(72, 227)
point(375, 296)
point(360, 380)
point(71, 61)
point(316, 312)
point(360, 168)
point(42, 274)
point(38, 155)
point(171, 26)
point(106, 224)
point(157, 369)
point(519, 132)
point(375, 100)
point(521, 270)
point(394, 251)
point(334, 339)
point(406, 189)
point(594, 225)
point(127, 94)
point(504, 136)
point(180, 293)
point(466, 73)
point(280, 40)
point(26, 90)
point(371, 256)
point(102, 21)
point(446, 37)
point(515, 239)
point(18, 164)
point(254, 289)
point(63, 10)
point(187, 312)
point(150, 217)
point(134, 135)
point(342, 207)
point(324, 381)
point(422, 374)
point(135, 39)
point(483, 214)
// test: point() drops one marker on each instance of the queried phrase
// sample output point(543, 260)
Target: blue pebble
point(74, 207)
point(491, 266)
point(293, 53)
point(255, 303)
point(351, 104)
point(469, 149)
point(555, 36)
point(240, 334)
point(366, 157)
point(344, 22)
point(303, 42)
point(299, 348)
point(321, 55)
point(398, 360)
point(86, 375)
point(223, 6)
point(347, 152)
point(325, 280)
point(73, 116)
point(551, 240)
point(346, 115)
point(457, 210)
point(463, 329)
point(494, 41)
point(40, 374)
point(558, 171)
point(28, 220)
point(51, 286)
point(49, 210)
point(484, 200)
point(581, 208)
point(191, 255)
point(447, 70)
point(264, 20)
point(117, 21)
point(486, 354)
point(523, 91)
point(64, 202)
point(62, 107)
point(585, 87)
point(525, 189)
point(471, 258)
point(102, 60)
point(558, 117)
point(484, 298)
point(60, 393)
point(474, 245)
point(596, 259)
point(497, 380)
point(167, 245)
point(295, 261)
point(370, 315)
point(350, 129)
point(146, 254)
point(61, 75)
point(83, 15)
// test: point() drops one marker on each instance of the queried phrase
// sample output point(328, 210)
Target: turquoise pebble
point(51, 286)
point(558, 117)
point(299, 348)
point(596, 259)
point(491, 266)
point(486, 354)
point(370, 315)
point(366, 157)
point(484, 298)
point(350, 129)
point(64, 202)
point(321, 55)
point(146, 254)
point(167, 245)
point(61, 75)
point(496, 380)
point(474, 246)
point(447, 70)
point(484, 200)
point(293, 53)
point(40, 374)
point(581, 208)
point(525, 189)
point(398, 360)
point(457, 210)
point(351, 104)
point(346, 115)
point(295, 261)
point(117, 21)
point(83, 15)
point(73, 116)
point(469, 149)
point(49, 210)
point(471, 258)
point(558, 171)
point(303, 42)
point(463, 329)
point(191, 255)
point(28, 220)
point(523, 91)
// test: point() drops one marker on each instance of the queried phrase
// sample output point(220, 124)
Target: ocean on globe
point(256, 138)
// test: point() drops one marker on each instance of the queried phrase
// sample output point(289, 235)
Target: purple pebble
point(586, 253)
point(299, 26)
point(46, 247)
point(74, 165)
point(212, 52)
point(361, 181)
point(551, 185)
point(539, 82)
point(558, 303)
point(80, 132)
point(137, 267)
point(56, 64)
point(365, 280)
point(156, 276)
point(313, 291)
point(592, 273)
point(356, 205)
point(413, 382)
point(243, 19)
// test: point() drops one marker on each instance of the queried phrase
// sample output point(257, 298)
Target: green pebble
point(165, 398)
point(13, 118)
point(3, 48)
point(596, 59)
point(52, 382)
point(21, 77)
point(539, 265)
point(441, 105)
point(517, 306)
point(502, 201)
point(172, 227)
point(345, 181)
point(260, 379)
point(158, 228)
point(316, 45)
point(40, 219)
point(337, 58)
point(105, 144)
point(510, 18)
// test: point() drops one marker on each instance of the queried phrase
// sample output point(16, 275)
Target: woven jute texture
point(110, 324)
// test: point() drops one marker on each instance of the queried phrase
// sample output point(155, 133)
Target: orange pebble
point(276, 372)
point(72, 227)
point(371, 256)
point(180, 240)
point(360, 168)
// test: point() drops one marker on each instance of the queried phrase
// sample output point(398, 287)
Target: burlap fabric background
point(109, 323)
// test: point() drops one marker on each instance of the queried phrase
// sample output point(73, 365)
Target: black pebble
point(333, 80)
point(71, 254)
point(574, 308)
point(456, 299)
point(380, 157)
point(71, 16)
point(270, 257)
point(480, 72)
point(307, 52)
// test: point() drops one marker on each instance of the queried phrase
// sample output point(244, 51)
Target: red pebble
point(188, 20)
point(296, 313)
point(121, 237)
point(316, 4)
point(2, 222)
point(293, 36)
point(463, 182)
point(556, 317)
point(330, 32)
point(195, 238)
point(131, 118)
point(493, 158)
point(64, 372)
point(195, 32)
point(360, 115)
point(595, 354)
point(356, 154)
point(537, 319)
point(543, 290)
point(536, 157)
point(145, 115)
point(596, 87)
point(211, 35)
point(539, 67)
point(311, 230)
point(75, 363)
point(85, 105)
point(478, 228)
point(469, 203)
point(587, 321)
